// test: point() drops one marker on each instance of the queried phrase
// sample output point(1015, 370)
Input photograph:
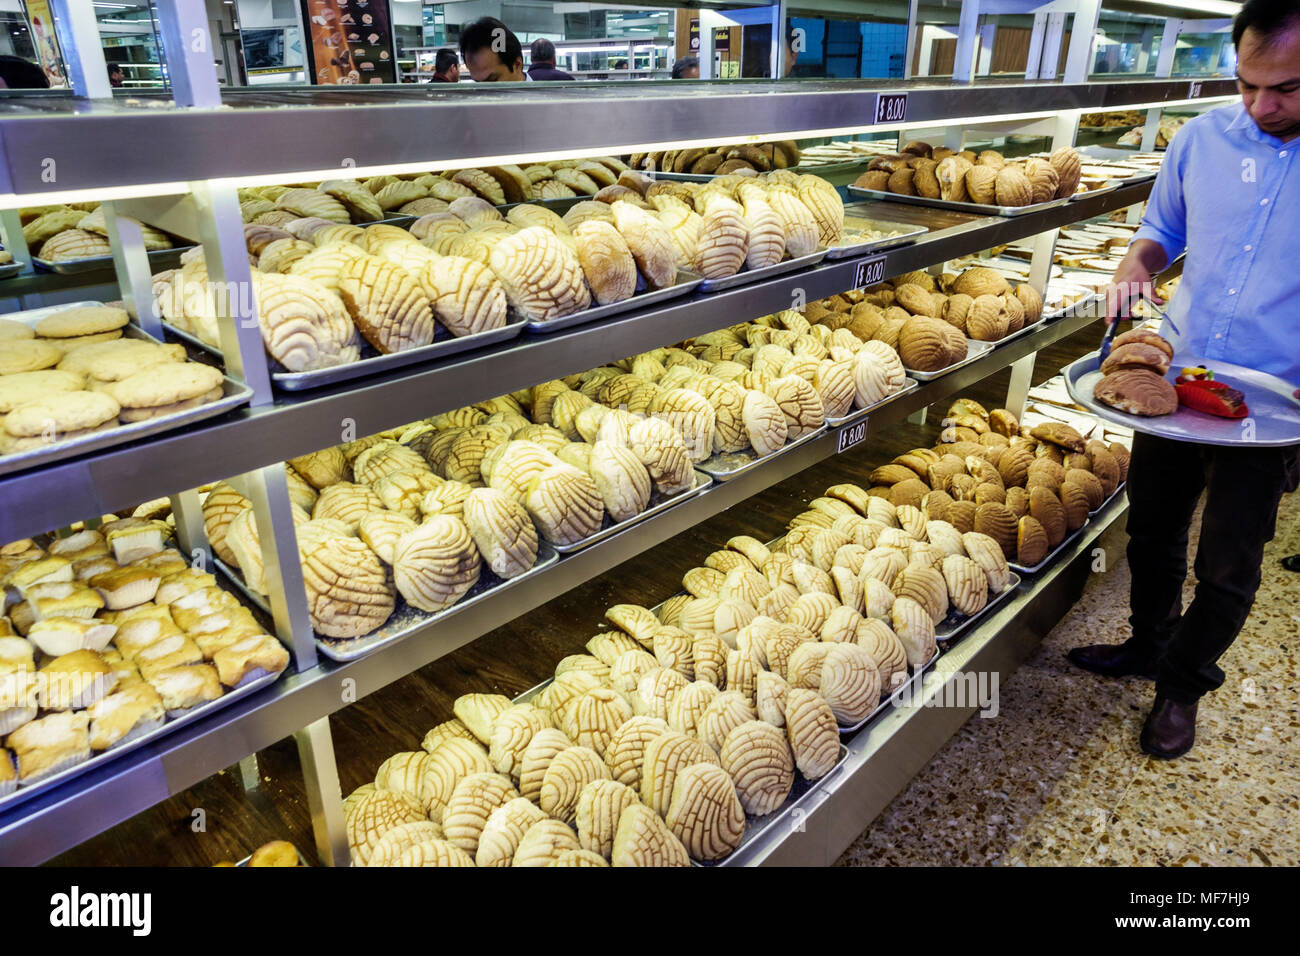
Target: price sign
point(891, 107)
point(850, 435)
point(869, 272)
point(1195, 90)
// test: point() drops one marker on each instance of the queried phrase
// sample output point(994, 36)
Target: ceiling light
point(1205, 6)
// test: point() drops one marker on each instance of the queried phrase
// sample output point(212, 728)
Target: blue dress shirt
point(1229, 194)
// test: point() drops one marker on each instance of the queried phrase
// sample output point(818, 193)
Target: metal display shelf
point(68, 815)
point(122, 476)
point(290, 131)
point(885, 757)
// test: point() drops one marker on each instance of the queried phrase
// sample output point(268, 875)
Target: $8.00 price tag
point(849, 436)
point(869, 272)
point(891, 107)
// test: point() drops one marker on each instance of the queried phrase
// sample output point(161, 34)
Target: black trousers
point(1244, 486)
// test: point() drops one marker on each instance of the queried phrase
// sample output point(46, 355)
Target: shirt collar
point(1244, 124)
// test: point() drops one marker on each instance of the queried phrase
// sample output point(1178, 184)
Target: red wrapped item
point(1212, 398)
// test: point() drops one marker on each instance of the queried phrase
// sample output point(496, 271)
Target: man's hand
point(1132, 280)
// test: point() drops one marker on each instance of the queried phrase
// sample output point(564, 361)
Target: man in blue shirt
point(1228, 193)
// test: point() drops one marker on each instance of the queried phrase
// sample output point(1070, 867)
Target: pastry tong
point(1111, 328)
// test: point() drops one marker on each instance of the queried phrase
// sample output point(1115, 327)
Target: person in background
point(542, 53)
point(446, 67)
point(1238, 302)
point(687, 68)
point(492, 53)
point(115, 75)
point(19, 74)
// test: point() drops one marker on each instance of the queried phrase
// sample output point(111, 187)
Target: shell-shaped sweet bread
point(643, 839)
point(372, 816)
point(390, 847)
point(606, 261)
point(434, 853)
point(705, 813)
point(625, 753)
point(565, 504)
point(802, 232)
point(823, 200)
point(312, 202)
point(850, 683)
point(766, 244)
point(880, 641)
point(566, 775)
point(504, 830)
point(663, 452)
point(348, 591)
point(595, 716)
point(542, 276)
point(665, 757)
point(621, 479)
point(502, 531)
point(600, 805)
point(691, 415)
point(471, 803)
point(512, 732)
point(541, 750)
point(465, 295)
point(650, 243)
point(725, 712)
point(812, 732)
point(757, 757)
point(914, 626)
point(436, 564)
point(723, 240)
point(386, 303)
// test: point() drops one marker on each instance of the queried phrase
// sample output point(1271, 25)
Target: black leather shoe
point(1113, 660)
point(1292, 563)
point(1170, 729)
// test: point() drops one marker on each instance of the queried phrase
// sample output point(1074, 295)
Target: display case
point(188, 189)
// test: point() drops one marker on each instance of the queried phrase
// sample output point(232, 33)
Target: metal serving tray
point(558, 206)
point(971, 207)
point(901, 234)
point(233, 394)
point(956, 623)
point(10, 269)
point(405, 619)
point(1051, 555)
point(251, 684)
point(746, 276)
point(727, 465)
point(1273, 422)
point(372, 364)
point(686, 282)
point(887, 701)
point(1023, 330)
point(159, 259)
point(1109, 498)
point(657, 504)
point(858, 414)
point(974, 349)
point(1095, 302)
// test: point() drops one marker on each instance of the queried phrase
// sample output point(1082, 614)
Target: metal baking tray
point(405, 619)
point(1023, 330)
point(900, 234)
point(1093, 305)
point(686, 282)
point(371, 364)
point(746, 276)
point(1108, 188)
point(755, 827)
point(251, 684)
point(727, 465)
point(858, 414)
point(302, 861)
point(10, 269)
point(971, 207)
point(1273, 422)
point(887, 701)
point(678, 177)
point(657, 504)
point(559, 206)
point(1109, 498)
point(233, 394)
point(1051, 555)
point(956, 623)
point(974, 349)
point(159, 259)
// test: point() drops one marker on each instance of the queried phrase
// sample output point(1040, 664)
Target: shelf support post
point(1078, 59)
point(963, 64)
point(83, 54)
point(324, 795)
point(190, 533)
point(131, 263)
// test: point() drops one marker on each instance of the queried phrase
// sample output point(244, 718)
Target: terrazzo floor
point(1058, 778)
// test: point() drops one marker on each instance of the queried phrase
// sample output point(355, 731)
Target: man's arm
point(1132, 281)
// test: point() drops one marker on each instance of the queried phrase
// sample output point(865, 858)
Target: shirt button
point(1263, 202)
point(1218, 335)
point(1282, 155)
point(1248, 248)
point(1232, 292)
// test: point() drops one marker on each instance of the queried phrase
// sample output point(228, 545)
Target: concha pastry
point(311, 202)
point(586, 663)
point(914, 626)
point(1068, 170)
point(688, 704)
point(1044, 181)
point(542, 276)
point(402, 492)
point(836, 384)
point(595, 716)
point(812, 732)
point(757, 757)
point(922, 344)
point(625, 753)
point(401, 838)
point(465, 295)
point(1012, 187)
point(722, 245)
point(1031, 542)
point(304, 326)
point(628, 667)
point(674, 649)
point(709, 657)
point(799, 403)
point(879, 640)
point(374, 815)
point(968, 587)
point(439, 734)
point(728, 402)
point(434, 853)
point(951, 175)
point(691, 415)
point(348, 592)
point(606, 261)
point(566, 775)
point(981, 184)
point(222, 505)
point(925, 585)
point(705, 813)
point(997, 521)
point(386, 303)
point(804, 667)
point(403, 771)
point(1075, 502)
point(600, 805)
point(850, 683)
point(578, 858)
point(621, 479)
point(544, 843)
point(504, 830)
point(988, 554)
point(725, 712)
point(650, 243)
point(635, 620)
point(502, 531)
point(565, 504)
point(472, 803)
point(541, 750)
point(643, 839)
point(665, 757)
point(823, 201)
point(766, 232)
point(436, 564)
point(765, 422)
point(661, 449)
point(512, 731)
point(479, 712)
point(1046, 508)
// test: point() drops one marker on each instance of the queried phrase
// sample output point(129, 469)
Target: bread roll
point(606, 261)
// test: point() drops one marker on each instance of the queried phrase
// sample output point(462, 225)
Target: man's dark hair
point(481, 34)
point(115, 68)
point(684, 64)
point(445, 60)
point(1268, 18)
point(20, 74)
point(542, 51)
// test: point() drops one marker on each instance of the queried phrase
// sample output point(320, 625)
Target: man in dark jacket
point(446, 67)
point(542, 53)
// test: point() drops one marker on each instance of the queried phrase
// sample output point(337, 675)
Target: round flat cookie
point(25, 387)
point(9, 445)
point(61, 412)
point(119, 359)
point(166, 384)
point(11, 330)
point(157, 411)
point(27, 355)
point(76, 341)
point(83, 320)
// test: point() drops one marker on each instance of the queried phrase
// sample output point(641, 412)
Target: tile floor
point(1058, 779)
